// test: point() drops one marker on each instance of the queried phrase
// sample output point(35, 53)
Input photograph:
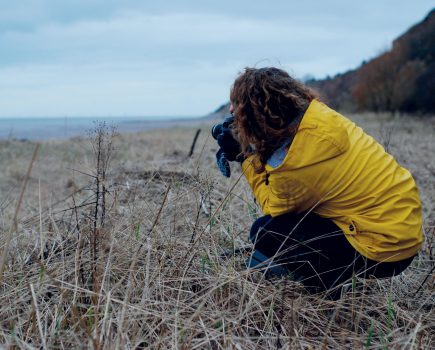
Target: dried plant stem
point(41, 235)
point(131, 269)
point(196, 241)
point(105, 317)
point(146, 288)
point(195, 138)
point(17, 210)
point(424, 281)
point(160, 210)
point(38, 318)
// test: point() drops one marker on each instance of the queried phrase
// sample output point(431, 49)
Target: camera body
point(222, 134)
point(218, 129)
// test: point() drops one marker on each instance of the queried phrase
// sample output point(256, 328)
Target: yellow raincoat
point(339, 172)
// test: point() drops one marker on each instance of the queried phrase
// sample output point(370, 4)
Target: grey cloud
point(176, 57)
point(138, 37)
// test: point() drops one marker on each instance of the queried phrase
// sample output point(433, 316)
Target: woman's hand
point(229, 150)
point(229, 145)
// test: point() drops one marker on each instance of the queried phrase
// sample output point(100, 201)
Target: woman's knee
point(258, 225)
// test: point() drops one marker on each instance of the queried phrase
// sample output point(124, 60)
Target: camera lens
point(219, 128)
point(228, 121)
point(216, 130)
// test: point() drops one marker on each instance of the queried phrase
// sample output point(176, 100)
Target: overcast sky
point(177, 58)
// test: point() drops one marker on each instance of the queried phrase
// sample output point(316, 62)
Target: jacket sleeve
point(278, 192)
point(257, 182)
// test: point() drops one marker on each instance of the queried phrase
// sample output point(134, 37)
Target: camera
point(218, 129)
point(227, 143)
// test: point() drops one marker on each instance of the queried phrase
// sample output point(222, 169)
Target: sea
point(67, 127)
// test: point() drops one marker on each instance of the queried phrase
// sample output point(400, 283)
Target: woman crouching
point(335, 203)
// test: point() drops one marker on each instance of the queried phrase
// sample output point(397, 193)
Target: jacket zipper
point(267, 178)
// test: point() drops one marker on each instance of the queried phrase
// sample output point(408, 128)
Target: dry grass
point(152, 275)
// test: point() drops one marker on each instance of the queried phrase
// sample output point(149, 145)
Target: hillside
point(400, 79)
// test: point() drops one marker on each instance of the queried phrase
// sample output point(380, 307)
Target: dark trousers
point(315, 251)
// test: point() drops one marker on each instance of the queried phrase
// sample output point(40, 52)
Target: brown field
point(142, 267)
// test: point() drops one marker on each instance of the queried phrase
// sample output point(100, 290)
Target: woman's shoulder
point(323, 129)
point(325, 119)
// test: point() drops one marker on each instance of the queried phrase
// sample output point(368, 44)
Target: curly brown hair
point(267, 103)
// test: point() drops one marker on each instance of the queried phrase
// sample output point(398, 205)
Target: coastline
point(44, 129)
